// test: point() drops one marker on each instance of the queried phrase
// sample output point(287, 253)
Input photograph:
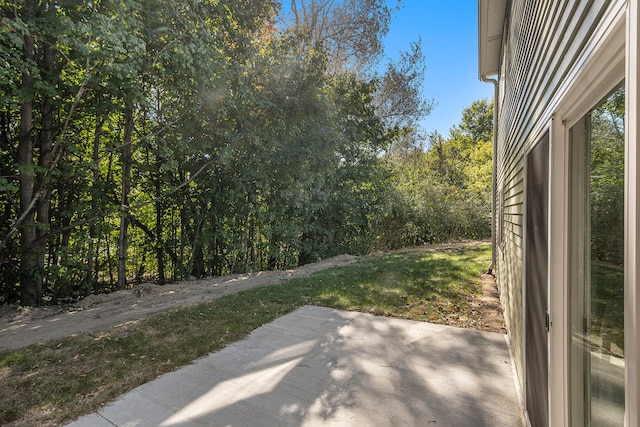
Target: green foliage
point(606, 205)
point(444, 193)
point(170, 139)
point(607, 180)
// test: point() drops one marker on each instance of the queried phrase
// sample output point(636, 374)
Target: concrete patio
point(319, 366)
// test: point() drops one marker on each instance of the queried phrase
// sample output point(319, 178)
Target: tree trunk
point(109, 263)
point(196, 265)
point(105, 228)
point(124, 200)
point(441, 158)
point(30, 275)
point(159, 245)
point(92, 252)
point(44, 161)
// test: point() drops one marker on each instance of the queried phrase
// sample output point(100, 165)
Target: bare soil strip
point(20, 327)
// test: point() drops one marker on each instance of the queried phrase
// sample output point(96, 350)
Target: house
point(566, 208)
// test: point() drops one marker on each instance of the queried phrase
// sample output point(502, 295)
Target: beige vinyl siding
point(542, 43)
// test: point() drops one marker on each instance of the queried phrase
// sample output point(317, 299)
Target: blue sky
point(449, 31)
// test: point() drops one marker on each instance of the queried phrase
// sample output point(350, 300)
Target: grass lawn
point(59, 381)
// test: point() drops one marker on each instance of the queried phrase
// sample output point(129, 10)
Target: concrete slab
point(94, 420)
point(319, 366)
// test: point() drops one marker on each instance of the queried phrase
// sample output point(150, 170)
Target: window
point(596, 248)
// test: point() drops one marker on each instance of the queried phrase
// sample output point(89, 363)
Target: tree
point(399, 98)
point(606, 186)
point(349, 31)
point(444, 193)
point(41, 90)
point(462, 159)
point(95, 64)
point(147, 140)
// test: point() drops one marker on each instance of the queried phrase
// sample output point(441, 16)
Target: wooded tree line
point(606, 182)
point(159, 140)
point(441, 192)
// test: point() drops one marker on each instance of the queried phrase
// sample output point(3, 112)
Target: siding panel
point(542, 44)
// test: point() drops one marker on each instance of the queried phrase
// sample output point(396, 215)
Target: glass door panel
point(597, 270)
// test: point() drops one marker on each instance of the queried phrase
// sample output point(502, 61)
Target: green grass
point(66, 378)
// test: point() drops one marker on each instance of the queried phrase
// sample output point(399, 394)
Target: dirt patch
point(20, 327)
point(491, 318)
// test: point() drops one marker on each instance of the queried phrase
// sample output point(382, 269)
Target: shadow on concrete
point(320, 366)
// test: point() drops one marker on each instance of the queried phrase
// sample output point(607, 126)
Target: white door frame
point(599, 70)
point(632, 217)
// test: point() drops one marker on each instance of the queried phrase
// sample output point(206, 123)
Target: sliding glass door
point(596, 243)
